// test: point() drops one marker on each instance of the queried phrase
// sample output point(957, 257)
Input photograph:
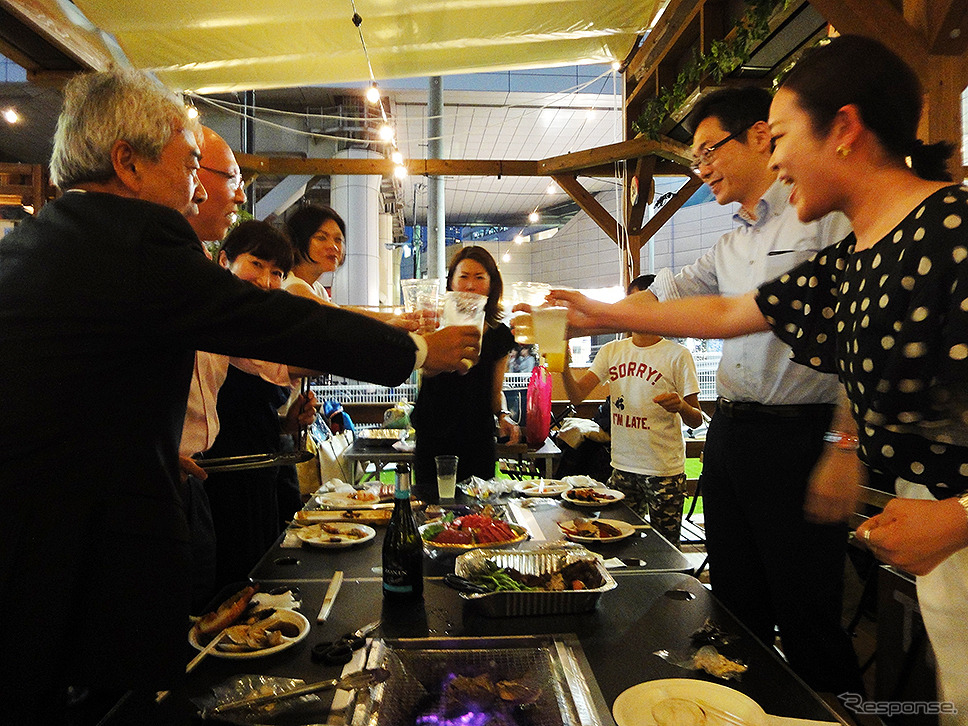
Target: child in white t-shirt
point(653, 388)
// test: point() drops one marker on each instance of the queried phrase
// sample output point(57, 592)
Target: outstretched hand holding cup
point(454, 348)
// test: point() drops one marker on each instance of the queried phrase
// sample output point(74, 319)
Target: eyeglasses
point(235, 179)
point(705, 156)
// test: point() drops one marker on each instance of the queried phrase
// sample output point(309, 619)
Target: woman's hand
point(834, 486)
point(508, 429)
point(916, 534)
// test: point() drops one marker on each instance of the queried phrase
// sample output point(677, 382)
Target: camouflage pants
point(660, 498)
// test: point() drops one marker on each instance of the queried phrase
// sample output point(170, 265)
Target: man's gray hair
point(105, 107)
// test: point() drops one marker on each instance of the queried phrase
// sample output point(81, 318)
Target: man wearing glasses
point(767, 563)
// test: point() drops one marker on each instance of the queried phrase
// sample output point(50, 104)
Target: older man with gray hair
point(104, 297)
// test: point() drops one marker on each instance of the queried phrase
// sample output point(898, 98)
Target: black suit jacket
point(102, 302)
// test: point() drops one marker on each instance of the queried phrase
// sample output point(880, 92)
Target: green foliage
point(723, 58)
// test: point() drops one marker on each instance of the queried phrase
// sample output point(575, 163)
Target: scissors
point(339, 652)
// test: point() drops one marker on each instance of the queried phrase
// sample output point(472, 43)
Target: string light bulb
point(11, 116)
point(518, 240)
point(397, 157)
point(373, 93)
point(534, 217)
point(506, 257)
point(192, 112)
point(386, 132)
point(400, 172)
point(552, 188)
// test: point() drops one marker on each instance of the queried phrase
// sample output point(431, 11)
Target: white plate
point(626, 529)
point(343, 500)
point(314, 537)
point(633, 707)
point(541, 487)
point(615, 494)
point(291, 616)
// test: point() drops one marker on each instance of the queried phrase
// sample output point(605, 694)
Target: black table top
point(645, 551)
point(646, 613)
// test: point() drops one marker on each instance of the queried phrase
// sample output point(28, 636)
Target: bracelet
point(842, 441)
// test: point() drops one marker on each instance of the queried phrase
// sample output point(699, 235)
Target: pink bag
point(538, 423)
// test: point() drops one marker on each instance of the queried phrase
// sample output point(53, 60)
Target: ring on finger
point(867, 535)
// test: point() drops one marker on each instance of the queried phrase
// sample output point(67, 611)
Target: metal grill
point(418, 676)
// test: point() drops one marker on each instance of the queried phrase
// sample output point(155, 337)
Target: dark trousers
point(767, 564)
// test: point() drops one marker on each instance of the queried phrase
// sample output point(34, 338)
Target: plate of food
point(335, 535)
point(359, 499)
point(596, 530)
point(246, 629)
point(458, 534)
point(541, 487)
point(685, 702)
point(592, 496)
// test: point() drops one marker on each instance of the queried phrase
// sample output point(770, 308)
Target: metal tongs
point(254, 461)
point(264, 461)
point(349, 682)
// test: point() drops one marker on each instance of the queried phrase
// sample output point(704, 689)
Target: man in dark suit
point(104, 297)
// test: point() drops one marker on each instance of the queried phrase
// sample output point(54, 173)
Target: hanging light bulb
point(373, 93)
point(11, 116)
point(397, 157)
point(386, 132)
point(518, 240)
point(191, 111)
point(507, 257)
point(400, 172)
point(552, 188)
point(616, 66)
point(534, 217)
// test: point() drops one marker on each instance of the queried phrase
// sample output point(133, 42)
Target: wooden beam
point(643, 176)
point(384, 167)
point(589, 205)
point(877, 19)
point(622, 151)
point(82, 46)
point(669, 208)
point(944, 24)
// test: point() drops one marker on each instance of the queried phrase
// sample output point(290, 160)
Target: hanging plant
point(723, 58)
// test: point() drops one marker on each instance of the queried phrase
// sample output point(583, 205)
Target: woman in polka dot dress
point(886, 309)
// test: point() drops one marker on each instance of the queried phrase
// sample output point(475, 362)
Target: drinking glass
point(529, 293)
point(550, 327)
point(446, 476)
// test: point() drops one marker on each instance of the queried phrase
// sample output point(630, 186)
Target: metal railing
point(348, 391)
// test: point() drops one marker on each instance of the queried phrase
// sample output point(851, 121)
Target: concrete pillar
point(357, 200)
point(436, 242)
point(389, 274)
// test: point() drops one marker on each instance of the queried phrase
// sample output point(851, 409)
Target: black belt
point(751, 409)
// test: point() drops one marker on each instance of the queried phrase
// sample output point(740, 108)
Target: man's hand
point(834, 486)
point(189, 467)
point(407, 321)
point(454, 348)
point(584, 314)
point(916, 534)
point(300, 414)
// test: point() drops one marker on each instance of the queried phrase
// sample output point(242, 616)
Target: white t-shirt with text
point(646, 439)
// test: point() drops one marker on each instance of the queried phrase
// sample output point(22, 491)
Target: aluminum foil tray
point(533, 562)
point(380, 437)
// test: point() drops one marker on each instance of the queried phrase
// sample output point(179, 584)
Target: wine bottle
point(402, 546)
